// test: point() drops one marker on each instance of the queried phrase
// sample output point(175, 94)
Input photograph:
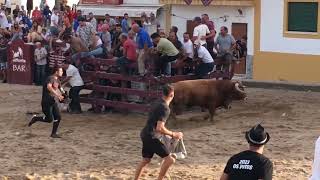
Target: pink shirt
point(130, 47)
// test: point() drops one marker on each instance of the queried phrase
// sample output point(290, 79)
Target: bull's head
point(238, 92)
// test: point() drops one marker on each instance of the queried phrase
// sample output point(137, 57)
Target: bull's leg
point(227, 104)
point(212, 110)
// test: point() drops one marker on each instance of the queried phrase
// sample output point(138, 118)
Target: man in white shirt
point(206, 65)
point(316, 162)
point(76, 83)
point(3, 19)
point(187, 46)
point(200, 32)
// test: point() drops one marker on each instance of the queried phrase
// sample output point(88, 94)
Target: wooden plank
point(116, 104)
point(128, 91)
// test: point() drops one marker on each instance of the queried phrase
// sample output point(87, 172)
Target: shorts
point(3, 66)
point(153, 146)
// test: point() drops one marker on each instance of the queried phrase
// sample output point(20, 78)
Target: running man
point(51, 93)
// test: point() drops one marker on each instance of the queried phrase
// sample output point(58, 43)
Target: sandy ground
point(107, 146)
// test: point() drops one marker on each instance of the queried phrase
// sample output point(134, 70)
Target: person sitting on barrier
point(16, 32)
point(129, 53)
point(96, 48)
point(225, 44)
point(188, 50)
point(168, 53)
point(206, 61)
point(35, 33)
point(76, 83)
point(78, 48)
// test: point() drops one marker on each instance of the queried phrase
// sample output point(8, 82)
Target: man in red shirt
point(36, 15)
point(69, 14)
point(129, 53)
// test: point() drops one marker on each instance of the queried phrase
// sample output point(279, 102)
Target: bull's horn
point(236, 85)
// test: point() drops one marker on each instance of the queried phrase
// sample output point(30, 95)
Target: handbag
point(174, 146)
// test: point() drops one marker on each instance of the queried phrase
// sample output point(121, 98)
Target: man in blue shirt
point(124, 24)
point(144, 42)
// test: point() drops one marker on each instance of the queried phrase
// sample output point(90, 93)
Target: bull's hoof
point(206, 117)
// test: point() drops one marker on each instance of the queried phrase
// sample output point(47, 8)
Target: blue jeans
point(203, 69)
point(92, 54)
point(40, 74)
point(122, 62)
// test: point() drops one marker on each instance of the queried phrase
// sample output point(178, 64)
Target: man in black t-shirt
point(51, 93)
point(250, 164)
point(154, 130)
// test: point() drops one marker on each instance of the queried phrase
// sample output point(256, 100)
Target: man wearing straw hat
point(250, 164)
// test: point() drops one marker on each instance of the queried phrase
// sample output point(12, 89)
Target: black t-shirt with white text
point(249, 165)
point(160, 111)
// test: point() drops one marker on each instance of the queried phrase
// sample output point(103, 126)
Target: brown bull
point(208, 94)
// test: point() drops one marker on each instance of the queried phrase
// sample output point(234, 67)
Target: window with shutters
point(301, 18)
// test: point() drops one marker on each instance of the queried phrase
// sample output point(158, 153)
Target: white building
point(236, 15)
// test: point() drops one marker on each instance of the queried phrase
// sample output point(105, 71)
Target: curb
point(281, 85)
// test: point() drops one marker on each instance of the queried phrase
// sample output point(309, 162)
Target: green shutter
point(303, 16)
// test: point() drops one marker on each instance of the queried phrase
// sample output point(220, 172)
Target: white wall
point(184, 13)
point(140, 1)
point(271, 38)
point(49, 2)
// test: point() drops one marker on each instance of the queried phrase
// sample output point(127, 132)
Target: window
point(301, 18)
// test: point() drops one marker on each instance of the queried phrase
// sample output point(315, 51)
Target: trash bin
point(20, 63)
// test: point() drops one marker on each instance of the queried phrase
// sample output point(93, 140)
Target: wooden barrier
point(100, 71)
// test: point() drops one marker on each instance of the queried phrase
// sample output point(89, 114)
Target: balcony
point(213, 3)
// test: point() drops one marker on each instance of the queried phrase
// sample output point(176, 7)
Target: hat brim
point(255, 142)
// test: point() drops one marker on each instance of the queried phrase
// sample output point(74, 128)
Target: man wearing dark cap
point(250, 164)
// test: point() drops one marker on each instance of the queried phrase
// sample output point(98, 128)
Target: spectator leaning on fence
point(144, 43)
point(168, 51)
point(129, 53)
